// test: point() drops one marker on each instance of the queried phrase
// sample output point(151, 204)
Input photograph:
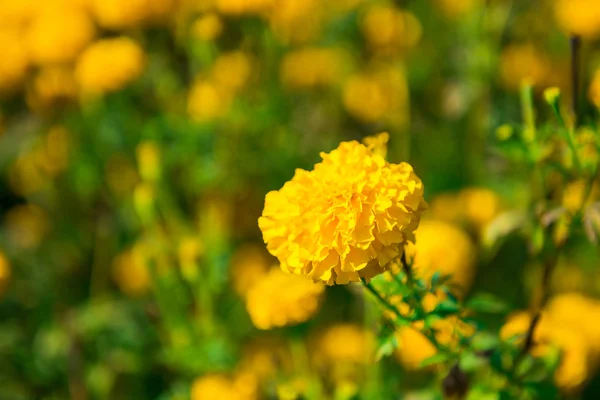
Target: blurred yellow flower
point(54, 84)
point(480, 205)
point(443, 247)
point(237, 7)
point(295, 21)
point(282, 299)
point(312, 66)
point(573, 195)
point(344, 220)
point(413, 348)
point(579, 17)
point(26, 226)
point(378, 95)
point(574, 365)
point(207, 101)
point(388, 28)
point(108, 65)
point(218, 386)
point(207, 27)
point(130, 271)
point(232, 70)
point(189, 250)
point(4, 272)
point(15, 62)
point(58, 35)
point(378, 143)
point(117, 14)
point(523, 62)
point(345, 344)
point(249, 265)
point(594, 89)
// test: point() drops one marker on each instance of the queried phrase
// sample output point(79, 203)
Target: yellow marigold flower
point(443, 247)
point(282, 299)
point(446, 207)
point(232, 70)
point(454, 9)
point(237, 7)
point(26, 226)
point(13, 67)
point(413, 348)
point(344, 220)
point(208, 27)
point(189, 250)
point(108, 65)
point(130, 271)
point(574, 366)
point(345, 344)
point(4, 272)
point(296, 21)
point(249, 265)
point(580, 313)
point(373, 96)
point(17, 13)
point(594, 89)
point(51, 85)
point(148, 158)
point(207, 101)
point(480, 205)
point(378, 143)
point(391, 28)
point(579, 17)
point(523, 62)
point(117, 14)
point(59, 35)
point(311, 67)
point(218, 386)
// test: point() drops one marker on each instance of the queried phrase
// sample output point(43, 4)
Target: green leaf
point(386, 347)
point(470, 361)
point(431, 319)
point(484, 341)
point(446, 307)
point(435, 359)
point(487, 303)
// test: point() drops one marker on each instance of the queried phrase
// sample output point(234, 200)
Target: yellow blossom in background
point(26, 226)
point(282, 299)
point(218, 386)
point(345, 344)
point(579, 17)
point(296, 21)
point(574, 365)
point(378, 95)
point(413, 348)
point(446, 207)
point(236, 7)
point(346, 219)
point(523, 62)
point(130, 271)
point(109, 65)
point(4, 272)
point(207, 101)
point(232, 70)
point(480, 205)
point(117, 14)
point(311, 67)
point(443, 247)
point(55, 84)
point(594, 89)
point(15, 62)
point(207, 27)
point(249, 265)
point(17, 13)
point(388, 28)
point(455, 9)
point(58, 35)
point(188, 252)
point(378, 143)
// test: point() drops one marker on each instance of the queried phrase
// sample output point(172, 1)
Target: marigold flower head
point(117, 14)
point(311, 67)
point(523, 62)
point(232, 70)
point(579, 17)
point(346, 219)
point(207, 27)
point(26, 226)
point(108, 65)
point(207, 101)
point(282, 299)
point(58, 35)
point(51, 85)
point(345, 344)
point(389, 28)
point(130, 272)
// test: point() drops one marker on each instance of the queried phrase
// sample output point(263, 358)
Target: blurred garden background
point(138, 140)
